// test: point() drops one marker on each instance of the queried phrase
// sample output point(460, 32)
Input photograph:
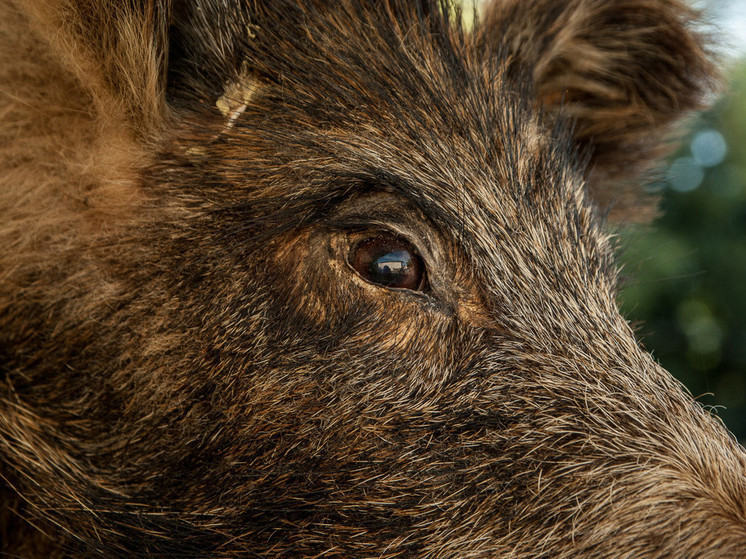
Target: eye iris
point(389, 262)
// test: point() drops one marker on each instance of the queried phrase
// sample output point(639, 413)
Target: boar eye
point(390, 262)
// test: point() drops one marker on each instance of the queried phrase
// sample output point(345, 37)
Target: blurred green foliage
point(686, 287)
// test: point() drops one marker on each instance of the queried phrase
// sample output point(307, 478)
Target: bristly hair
point(191, 365)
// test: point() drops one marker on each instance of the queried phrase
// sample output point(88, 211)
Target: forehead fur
point(421, 110)
point(410, 66)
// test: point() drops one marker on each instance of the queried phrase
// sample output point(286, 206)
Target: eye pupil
point(391, 267)
point(390, 262)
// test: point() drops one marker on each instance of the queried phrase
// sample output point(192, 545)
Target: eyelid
point(382, 222)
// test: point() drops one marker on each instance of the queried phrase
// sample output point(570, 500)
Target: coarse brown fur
point(190, 366)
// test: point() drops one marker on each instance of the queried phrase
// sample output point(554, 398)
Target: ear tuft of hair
point(117, 50)
point(626, 72)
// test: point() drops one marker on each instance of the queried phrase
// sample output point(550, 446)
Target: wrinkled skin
point(194, 366)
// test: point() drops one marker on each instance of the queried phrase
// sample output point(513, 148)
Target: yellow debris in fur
point(237, 96)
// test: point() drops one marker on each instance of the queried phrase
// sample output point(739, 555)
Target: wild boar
point(299, 278)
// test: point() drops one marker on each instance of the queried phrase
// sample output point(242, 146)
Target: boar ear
point(624, 70)
point(117, 49)
point(138, 59)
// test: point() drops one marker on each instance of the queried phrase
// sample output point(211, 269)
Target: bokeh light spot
point(685, 174)
point(708, 148)
point(703, 333)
